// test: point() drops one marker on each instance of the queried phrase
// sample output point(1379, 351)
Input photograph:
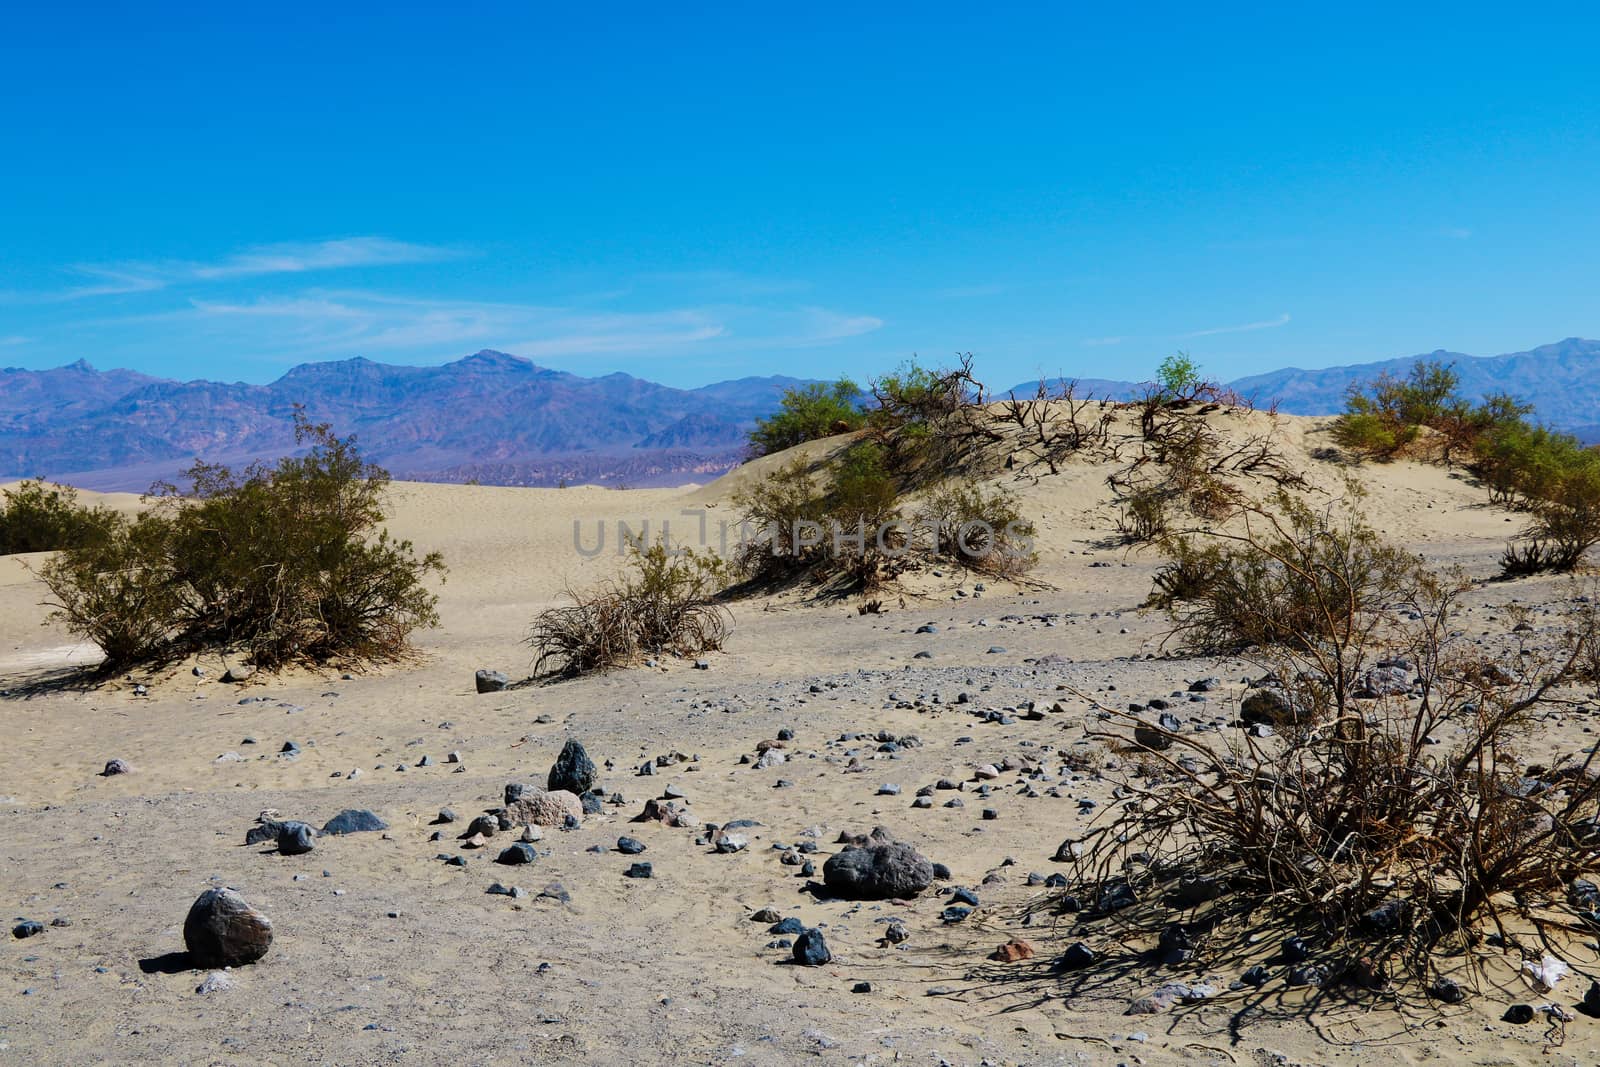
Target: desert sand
point(385, 953)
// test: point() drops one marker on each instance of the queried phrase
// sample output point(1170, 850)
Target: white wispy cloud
point(1098, 342)
point(296, 257)
point(1268, 324)
point(14, 339)
point(300, 257)
point(331, 322)
point(1457, 233)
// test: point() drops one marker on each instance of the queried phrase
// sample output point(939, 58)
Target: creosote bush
point(981, 529)
point(39, 517)
point(809, 413)
point(1296, 576)
point(665, 603)
point(1389, 819)
point(287, 564)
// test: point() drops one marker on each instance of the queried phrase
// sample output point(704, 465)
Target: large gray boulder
point(878, 872)
point(222, 930)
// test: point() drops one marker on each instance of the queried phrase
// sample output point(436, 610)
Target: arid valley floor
point(386, 953)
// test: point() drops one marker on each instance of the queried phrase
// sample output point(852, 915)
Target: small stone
point(296, 838)
point(1519, 1014)
point(639, 870)
point(353, 821)
point(488, 681)
point(518, 853)
point(1013, 951)
point(811, 949)
point(27, 928)
point(630, 846)
point(1077, 956)
point(114, 767)
point(215, 982)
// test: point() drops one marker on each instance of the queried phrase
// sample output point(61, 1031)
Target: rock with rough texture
point(222, 930)
point(811, 949)
point(878, 872)
point(1269, 705)
point(296, 838)
point(537, 808)
point(518, 853)
point(354, 821)
point(489, 681)
point(238, 674)
point(573, 770)
point(1013, 951)
point(114, 767)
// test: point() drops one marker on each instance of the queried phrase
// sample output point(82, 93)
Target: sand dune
point(384, 953)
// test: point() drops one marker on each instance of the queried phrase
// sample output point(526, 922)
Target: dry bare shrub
point(666, 603)
point(1390, 819)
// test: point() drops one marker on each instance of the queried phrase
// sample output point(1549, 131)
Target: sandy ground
point(386, 954)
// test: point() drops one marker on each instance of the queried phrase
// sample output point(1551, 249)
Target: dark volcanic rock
point(354, 821)
point(878, 872)
point(573, 770)
point(222, 930)
point(489, 681)
point(517, 854)
point(811, 949)
point(296, 838)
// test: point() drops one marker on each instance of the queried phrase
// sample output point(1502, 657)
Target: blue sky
point(693, 192)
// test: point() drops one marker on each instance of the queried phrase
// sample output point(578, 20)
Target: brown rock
point(537, 808)
point(222, 930)
point(664, 812)
point(1012, 951)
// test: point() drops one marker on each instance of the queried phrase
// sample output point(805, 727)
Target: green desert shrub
point(1297, 577)
point(39, 517)
point(285, 563)
point(809, 413)
point(664, 603)
point(839, 528)
point(981, 529)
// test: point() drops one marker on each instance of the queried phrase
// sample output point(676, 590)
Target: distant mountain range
point(1561, 380)
point(490, 417)
point(500, 419)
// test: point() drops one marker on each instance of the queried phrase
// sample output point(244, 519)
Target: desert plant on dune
point(808, 413)
point(1292, 575)
point(39, 517)
point(665, 603)
point(287, 563)
point(980, 528)
point(1387, 820)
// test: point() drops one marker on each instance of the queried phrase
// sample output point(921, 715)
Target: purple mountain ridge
point(501, 419)
point(489, 417)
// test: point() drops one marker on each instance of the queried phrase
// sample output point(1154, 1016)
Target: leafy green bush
point(1385, 415)
point(809, 413)
point(1179, 377)
point(36, 517)
point(839, 529)
point(665, 603)
point(286, 563)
